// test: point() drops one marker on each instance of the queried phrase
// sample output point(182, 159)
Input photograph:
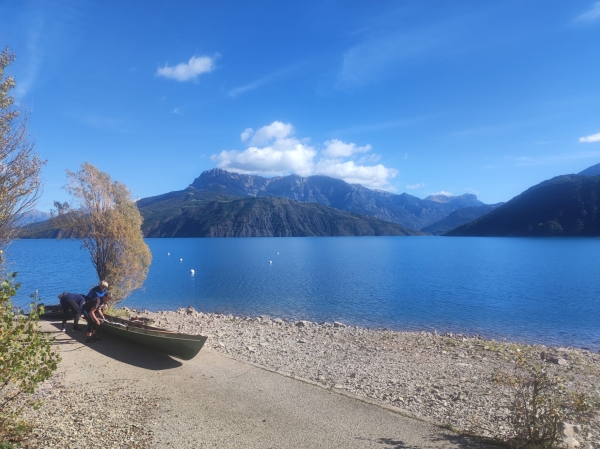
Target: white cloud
point(276, 130)
point(369, 158)
point(442, 192)
point(282, 157)
point(415, 186)
point(190, 70)
point(591, 15)
point(374, 176)
point(336, 148)
point(274, 151)
point(592, 138)
point(246, 134)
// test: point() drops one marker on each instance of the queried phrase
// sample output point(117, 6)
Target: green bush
point(27, 358)
point(541, 403)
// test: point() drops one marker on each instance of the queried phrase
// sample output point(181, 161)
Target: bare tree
point(106, 219)
point(20, 166)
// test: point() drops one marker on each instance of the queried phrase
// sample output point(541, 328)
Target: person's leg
point(96, 336)
point(72, 305)
point(92, 329)
point(65, 307)
point(77, 311)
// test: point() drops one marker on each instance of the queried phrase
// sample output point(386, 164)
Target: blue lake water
point(532, 290)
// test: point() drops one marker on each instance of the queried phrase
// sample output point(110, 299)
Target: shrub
point(27, 357)
point(541, 403)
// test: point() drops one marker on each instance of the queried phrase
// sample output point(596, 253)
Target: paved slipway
point(114, 394)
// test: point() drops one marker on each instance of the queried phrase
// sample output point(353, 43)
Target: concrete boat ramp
point(215, 401)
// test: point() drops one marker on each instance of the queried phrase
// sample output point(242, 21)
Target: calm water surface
point(533, 290)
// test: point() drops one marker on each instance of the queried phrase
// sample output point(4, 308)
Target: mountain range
point(187, 216)
point(223, 204)
point(403, 209)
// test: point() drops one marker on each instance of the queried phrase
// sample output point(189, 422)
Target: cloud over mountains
point(273, 150)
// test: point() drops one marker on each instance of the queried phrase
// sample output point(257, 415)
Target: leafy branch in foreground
point(541, 404)
point(27, 356)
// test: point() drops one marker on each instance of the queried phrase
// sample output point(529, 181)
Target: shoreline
point(492, 336)
point(445, 378)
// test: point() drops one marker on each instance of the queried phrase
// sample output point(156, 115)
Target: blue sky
point(407, 96)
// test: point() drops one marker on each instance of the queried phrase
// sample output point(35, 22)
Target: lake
point(532, 290)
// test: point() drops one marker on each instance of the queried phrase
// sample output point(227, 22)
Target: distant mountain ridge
point(594, 170)
point(191, 213)
point(262, 217)
point(223, 204)
point(566, 205)
point(403, 209)
point(458, 218)
point(32, 216)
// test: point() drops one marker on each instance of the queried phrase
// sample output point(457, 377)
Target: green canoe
point(181, 346)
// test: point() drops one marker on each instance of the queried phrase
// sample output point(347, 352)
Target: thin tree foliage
point(27, 357)
point(104, 216)
point(20, 166)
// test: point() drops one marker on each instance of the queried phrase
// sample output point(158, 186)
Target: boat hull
point(55, 312)
point(181, 346)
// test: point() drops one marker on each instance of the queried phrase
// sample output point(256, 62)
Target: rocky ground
point(448, 378)
point(94, 415)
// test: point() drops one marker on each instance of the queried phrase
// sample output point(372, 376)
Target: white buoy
point(168, 254)
point(192, 271)
point(270, 261)
point(180, 260)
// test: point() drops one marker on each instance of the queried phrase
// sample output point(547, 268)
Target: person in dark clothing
point(98, 291)
point(92, 310)
point(74, 302)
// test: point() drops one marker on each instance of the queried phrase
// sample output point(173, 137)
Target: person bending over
point(98, 291)
point(93, 313)
point(74, 302)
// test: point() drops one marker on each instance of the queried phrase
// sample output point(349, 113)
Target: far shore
point(446, 378)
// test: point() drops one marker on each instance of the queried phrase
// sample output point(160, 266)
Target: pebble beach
point(445, 378)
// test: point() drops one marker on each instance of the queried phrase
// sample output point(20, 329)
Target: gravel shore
point(104, 415)
point(447, 378)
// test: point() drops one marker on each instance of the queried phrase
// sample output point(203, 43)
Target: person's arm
point(101, 314)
